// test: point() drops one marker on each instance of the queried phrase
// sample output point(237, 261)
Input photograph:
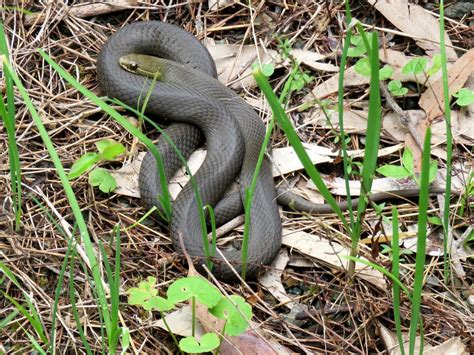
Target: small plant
point(415, 66)
point(108, 149)
point(233, 310)
point(406, 170)
point(387, 249)
point(396, 88)
point(465, 97)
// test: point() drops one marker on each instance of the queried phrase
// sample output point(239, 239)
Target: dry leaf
point(216, 4)
point(312, 60)
point(271, 280)
point(234, 63)
point(432, 100)
point(453, 346)
point(416, 22)
point(391, 342)
point(330, 86)
point(247, 343)
point(330, 253)
point(180, 323)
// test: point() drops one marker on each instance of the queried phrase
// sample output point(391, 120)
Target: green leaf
point(408, 160)
point(146, 295)
point(125, 340)
point(433, 171)
point(435, 65)
point(470, 237)
point(145, 290)
point(465, 97)
point(386, 72)
point(359, 48)
point(415, 66)
point(102, 178)
point(362, 67)
point(435, 220)
point(194, 286)
point(208, 342)
point(297, 85)
point(396, 88)
point(236, 322)
point(394, 171)
point(158, 303)
point(83, 164)
point(109, 149)
point(266, 69)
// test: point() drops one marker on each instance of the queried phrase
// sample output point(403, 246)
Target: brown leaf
point(416, 22)
point(432, 100)
point(247, 343)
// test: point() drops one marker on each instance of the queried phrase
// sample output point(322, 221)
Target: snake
point(188, 94)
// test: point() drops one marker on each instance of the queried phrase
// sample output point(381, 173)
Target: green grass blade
point(421, 240)
point(35, 345)
point(31, 314)
point(71, 245)
point(295, 142)
point(372, 140)
point(449, 143)
point(249, 193)
point(75, 313)
point(7, 113)
point(340, 111)
point(396, 274)
point(113, 278)
point(85, 237)
point(5, 321)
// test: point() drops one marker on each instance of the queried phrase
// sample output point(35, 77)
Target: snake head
point(142, 64)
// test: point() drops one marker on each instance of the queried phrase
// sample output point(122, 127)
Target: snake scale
point(189, 95)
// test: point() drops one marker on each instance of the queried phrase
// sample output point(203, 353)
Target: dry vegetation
point(335, 315)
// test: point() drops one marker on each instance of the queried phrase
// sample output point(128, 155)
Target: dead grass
point(334, 316)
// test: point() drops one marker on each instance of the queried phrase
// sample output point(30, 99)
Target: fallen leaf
point(313, 60)
point(216, 4)
point(416, 22)
point(247, 343)
point(234, 63)
point(271, 280)
point(180, 322)
point(330, 86)
point(330, 253)
point(432, 100)
point(391, 342)
point(453, 346)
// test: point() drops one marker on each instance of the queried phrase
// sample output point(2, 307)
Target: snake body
point(188, 93)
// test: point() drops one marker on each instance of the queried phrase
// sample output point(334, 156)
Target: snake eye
point(133, 66)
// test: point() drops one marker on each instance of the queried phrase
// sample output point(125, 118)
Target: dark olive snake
point(188, 94)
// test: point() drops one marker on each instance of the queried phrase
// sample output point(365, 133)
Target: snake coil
point(189, 95)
